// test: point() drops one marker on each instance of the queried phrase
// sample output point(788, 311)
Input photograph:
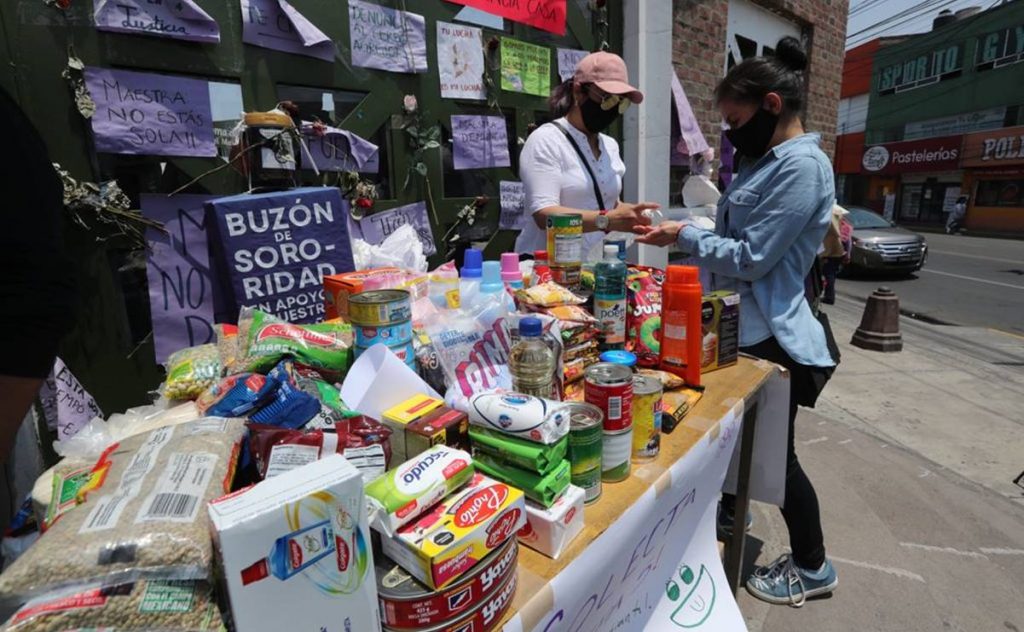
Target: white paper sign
point(67, 406)
point(512, 202)
point(378, 380)
point(460, 61)
point(634, 576)
point(567, 60)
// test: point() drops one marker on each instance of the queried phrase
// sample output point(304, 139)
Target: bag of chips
point(643, 317)
point(548, 294)
point(265, 340)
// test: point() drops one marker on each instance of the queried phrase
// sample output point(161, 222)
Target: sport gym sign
point(929, 154)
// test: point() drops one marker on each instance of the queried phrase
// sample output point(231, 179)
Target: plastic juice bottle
point(610, 299)
point(293, 553)
point(680, 323)
point(470, 275)
point(532, 362)
point(491, 282)
point(510, 272)
point(541, 269)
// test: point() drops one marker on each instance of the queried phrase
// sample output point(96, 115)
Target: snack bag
point(265, 340)
point(237, 395)
point(643, 316)
point(191, 371)
point(548, 294)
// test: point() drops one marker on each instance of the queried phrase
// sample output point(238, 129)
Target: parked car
point(881, 246)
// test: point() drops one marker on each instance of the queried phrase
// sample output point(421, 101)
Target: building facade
point(710, 36)
point(942, 106)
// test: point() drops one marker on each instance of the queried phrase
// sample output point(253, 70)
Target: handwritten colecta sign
point(547, 15)
point(147, 114)
point(272, 250)
point(178, 19)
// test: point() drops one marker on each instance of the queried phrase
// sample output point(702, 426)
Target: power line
point(908, 15)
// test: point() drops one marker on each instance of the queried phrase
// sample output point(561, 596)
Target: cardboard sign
point(525, 68)
point(546, 15)
point(147, 114)
point(66, 403)
point(272, 250)
point(178, 19)
point(276, 25)
point(375, 228)
point(178, 272)
point(460, 61)
point(387, 39)
point(479, 142)
point(513, 199)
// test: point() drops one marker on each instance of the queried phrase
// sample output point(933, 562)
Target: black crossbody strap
point(586, 165)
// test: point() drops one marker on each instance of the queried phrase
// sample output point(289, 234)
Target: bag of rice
point(142, 513)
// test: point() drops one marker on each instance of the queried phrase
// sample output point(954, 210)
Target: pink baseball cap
point(608, 72)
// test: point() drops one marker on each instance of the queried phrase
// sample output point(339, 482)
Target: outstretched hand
point(664, 234)
point(625, 216)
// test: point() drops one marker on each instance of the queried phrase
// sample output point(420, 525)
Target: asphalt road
point(972, 281)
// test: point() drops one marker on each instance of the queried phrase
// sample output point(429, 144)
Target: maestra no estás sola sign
point(272, 250)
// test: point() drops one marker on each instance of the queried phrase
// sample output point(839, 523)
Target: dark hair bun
point(791, 53)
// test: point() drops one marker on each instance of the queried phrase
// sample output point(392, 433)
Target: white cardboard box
point(295, 551)
point(549, 530)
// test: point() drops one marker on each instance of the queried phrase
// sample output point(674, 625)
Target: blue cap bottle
point(471, 264)
point(530, 327)
point(491, 283)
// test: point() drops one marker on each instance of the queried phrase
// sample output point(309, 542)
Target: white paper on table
point(379, 380)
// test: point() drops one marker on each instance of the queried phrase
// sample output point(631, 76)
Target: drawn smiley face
point(695, 593)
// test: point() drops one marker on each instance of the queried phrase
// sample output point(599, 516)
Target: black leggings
point(800, 510)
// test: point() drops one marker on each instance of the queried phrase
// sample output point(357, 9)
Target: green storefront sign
point(921, 70)
point(1004, 45)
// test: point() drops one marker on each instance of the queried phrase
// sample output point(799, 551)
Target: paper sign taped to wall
point(479, 142)
point(568, 58)
point(460, 61)
point(525, 67)
point(177, 19)
point(512, 204)
point(277, 25)
point(387, 39)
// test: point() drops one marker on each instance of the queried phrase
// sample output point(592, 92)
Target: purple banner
point(276, 25)
point(340, 150)
point(178, 19)
point(178, 271)
point(160, 115)
point(479, 142)
point(689, 128)
point(273, 249)
point(376, 228)
point(387, 39)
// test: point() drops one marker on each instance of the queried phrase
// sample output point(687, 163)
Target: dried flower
point(409, 104)
point(319, 128)
point(364, 202)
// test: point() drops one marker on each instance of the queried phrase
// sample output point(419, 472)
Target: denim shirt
point(770, 224)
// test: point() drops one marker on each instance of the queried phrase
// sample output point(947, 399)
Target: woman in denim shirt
point(771, 221)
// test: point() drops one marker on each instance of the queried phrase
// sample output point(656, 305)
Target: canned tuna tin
point(406, 603)
point(565, 240)
point(568, 278)
point(585, 438)
point(610, 387)
point(392, 335)
point(380, 308)
point(616, 449)
point(485, 614)
point(646, 417)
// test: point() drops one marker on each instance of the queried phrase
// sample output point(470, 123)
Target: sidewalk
point(912, 455)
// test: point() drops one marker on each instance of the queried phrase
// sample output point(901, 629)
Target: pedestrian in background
point(955, 221)
point(770, 224)
point(836, 251)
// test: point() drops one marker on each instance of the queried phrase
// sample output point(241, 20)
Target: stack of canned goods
point(610, 387)
point(383, 316)
point(586, 430)
point(565, 248)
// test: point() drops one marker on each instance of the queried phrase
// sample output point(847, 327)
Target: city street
point(971, 281)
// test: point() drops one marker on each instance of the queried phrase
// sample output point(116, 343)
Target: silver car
point(881, 246)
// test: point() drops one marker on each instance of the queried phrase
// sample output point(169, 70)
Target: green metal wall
point(111, 348)
point(969, 92)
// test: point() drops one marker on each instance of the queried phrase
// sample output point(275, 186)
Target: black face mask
point(753, 137)
point(595, 119)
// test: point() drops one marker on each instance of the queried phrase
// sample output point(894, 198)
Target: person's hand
point(625, 217)
point(664, 234)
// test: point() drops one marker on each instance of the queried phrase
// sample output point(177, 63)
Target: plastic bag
point(143, 513)
point(443, 284)
point(548, 294)
point(191, 371)
point(401, 249)
point(265, 340)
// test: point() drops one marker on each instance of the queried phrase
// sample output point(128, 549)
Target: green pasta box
point(720, 329)
point(441, 426)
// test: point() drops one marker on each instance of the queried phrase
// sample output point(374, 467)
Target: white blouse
point(553, 175)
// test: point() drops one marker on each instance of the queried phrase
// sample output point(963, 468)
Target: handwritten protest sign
point(377, 227)
point(141, 113)
point(479, 142)
point(387, 39)
point(67, 406)
point(179, 19)
point(525, 67)
point(567, 60)
point(334, 149)
point(460, 61)
point(273, 249)
point(547, 15)
point(181, 287)
point(277, 25)
point(512, 203)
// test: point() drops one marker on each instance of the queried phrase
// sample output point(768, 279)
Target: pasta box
point(399, 417)
point(442, 425)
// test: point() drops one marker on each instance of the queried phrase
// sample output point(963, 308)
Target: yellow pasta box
point(446, 542)
point(399, 417)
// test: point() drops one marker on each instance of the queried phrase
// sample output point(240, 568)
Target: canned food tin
point(586, 432)
point(616, 449)
point(610, 387)
point(567, 277)
point(405, 352)
point(619, 356)
point(391, 335)
point(379, 308)
point(406, 603)
point(565, 240)
point(646, 417)
point(485, 616)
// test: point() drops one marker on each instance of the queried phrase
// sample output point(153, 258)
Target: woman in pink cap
point(569, 166)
